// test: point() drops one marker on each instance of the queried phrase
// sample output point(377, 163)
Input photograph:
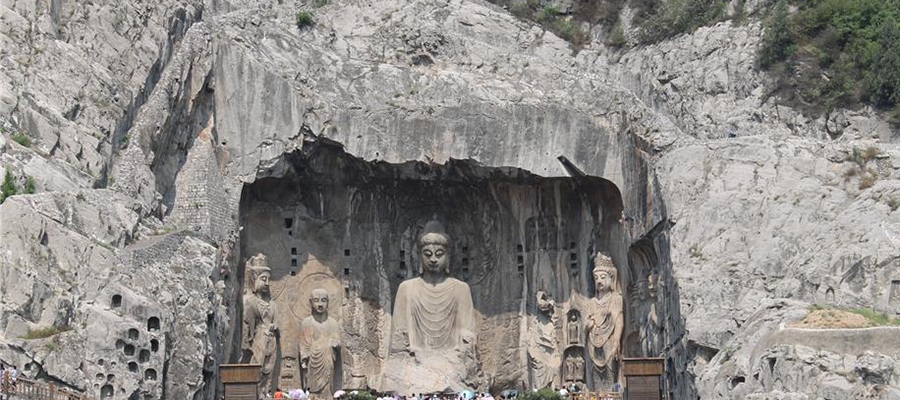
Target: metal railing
point(33, 390)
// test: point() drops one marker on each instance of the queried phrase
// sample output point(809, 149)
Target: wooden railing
point(33, 390)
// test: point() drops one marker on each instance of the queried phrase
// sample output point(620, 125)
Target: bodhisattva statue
point(320, 341)
point(433, 329)
point(260, 334)
point(604, 324)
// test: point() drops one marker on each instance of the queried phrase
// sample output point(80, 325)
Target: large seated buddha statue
point(433, 326)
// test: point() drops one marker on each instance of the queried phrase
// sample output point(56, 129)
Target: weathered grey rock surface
point(176, 108)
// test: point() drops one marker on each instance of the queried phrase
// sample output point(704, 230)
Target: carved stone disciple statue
point(604, 324)
point(433, 329)
point(259, 334)
point(543, 353)
point(320, 341)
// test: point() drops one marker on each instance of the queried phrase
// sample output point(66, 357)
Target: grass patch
point(873, 318)
point(44, 332)
point(304, 19)
point(21, 139)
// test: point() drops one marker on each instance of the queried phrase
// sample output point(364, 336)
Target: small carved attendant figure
point(604, 323)
point(260, 341)
point(572, 328)
point(320, 341)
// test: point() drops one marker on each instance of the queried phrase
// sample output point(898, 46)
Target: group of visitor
point(8, 378)
point(293, 394)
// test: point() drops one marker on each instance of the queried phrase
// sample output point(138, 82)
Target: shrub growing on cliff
point(680, 16)
point(304, 19)
point(21, 138)
point(8, 188)
point(776, 41)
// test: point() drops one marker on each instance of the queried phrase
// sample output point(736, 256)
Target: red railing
point(39, 391)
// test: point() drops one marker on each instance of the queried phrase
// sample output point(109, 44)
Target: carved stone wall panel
point(354, 224)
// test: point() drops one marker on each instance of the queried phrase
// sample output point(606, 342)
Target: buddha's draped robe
point(432, 316)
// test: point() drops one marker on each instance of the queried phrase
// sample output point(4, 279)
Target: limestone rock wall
point(730, 203)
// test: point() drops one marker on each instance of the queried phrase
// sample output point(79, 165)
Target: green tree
point(8, 188)
point(777, 43)
point(883, 77)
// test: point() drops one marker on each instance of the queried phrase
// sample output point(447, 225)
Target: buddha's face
point(603, 280)
point(544, 302)
point(318, 302)
point(261, 285)
point(434, 258)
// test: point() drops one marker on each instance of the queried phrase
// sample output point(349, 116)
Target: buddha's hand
point(468, 337)
point(273, 328)
point(334, 342)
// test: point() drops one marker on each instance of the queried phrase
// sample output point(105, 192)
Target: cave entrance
point(326, 219)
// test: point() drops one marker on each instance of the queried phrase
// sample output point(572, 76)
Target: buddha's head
point(259, 273)
point(434, 246)
point(318, 301)
point(544, 302)
point(604, 273)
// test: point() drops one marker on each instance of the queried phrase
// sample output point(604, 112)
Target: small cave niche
point(107, 392)
point(144, 355)
point(116, 301)
point(737, 380)
point(129, 350)
point(829, 295)
point(133, 334)
point(120, 344)
point(28, 366)
point(153, 324)
point(154, 345)
point(150, 374)
point(99, 377)
point(110, 378)
point(132, 366)
point(895, 292)
point(45, 240)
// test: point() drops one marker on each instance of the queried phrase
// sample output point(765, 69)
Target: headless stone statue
point(260, 334)
point(433, 328)
point(543, 356)
point(319, 344)
point(604, 324)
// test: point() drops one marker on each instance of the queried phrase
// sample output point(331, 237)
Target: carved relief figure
point(573, 328)
point(259, 333)
point(434, 322)
point(543, 359)
point(319, 345)
point(604, 324)
point(652, 325)
point(574, 368)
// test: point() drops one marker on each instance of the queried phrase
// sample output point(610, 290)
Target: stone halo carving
point(306, 285)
